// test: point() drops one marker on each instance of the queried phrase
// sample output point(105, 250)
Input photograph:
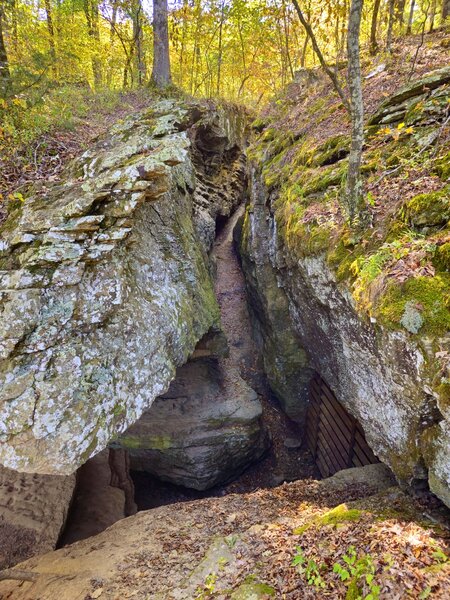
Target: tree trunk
point(138, 41)
point(432, 15)
point(5, 75)
point(320, 56)
point(51, 37)
point(354, 196)
point(373, 28)
point(112, 32)
point(219, 58)
point(286, 39)
point(400, 12)
point(15, 37)
point(445, 9)
point(390, 25)
point(411, 17)
point(183, 39)
point(161, 76)
point(91, 13)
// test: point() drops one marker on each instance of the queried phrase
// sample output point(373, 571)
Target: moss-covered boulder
point(431, 209)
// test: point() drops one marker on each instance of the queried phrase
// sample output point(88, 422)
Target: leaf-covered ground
point(75, 118)
point(231, 547)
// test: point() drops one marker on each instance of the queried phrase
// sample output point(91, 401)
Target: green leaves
point(357, 572)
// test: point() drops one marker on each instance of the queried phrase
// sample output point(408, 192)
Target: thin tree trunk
point(319, 54)
point(161, 76)
point(411, 17)
point(432, 15)
point(15, 37)
point(390, 29)
point(91, 13)
point(344, 28)
point(305, 47)
point(51, 36)
point(219, 58)
point(400, 12)
point(445, 9)
point(5, 75)
point(373, 28)
point(243, 58)
point(196, 52)
point(112, 32)
point(286, 39)
point(138, 41)
point(354, 196)
point(183, 39)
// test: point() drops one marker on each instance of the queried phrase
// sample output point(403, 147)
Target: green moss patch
point(337, 516)
point(431, 209)
point(429, 296)
point(253, 590)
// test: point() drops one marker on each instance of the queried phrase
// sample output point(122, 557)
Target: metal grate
point(335, 438)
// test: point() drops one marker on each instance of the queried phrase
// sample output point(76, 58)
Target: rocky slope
point(369, 312)
point(106, 284)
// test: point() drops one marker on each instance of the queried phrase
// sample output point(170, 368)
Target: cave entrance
point(334, 437)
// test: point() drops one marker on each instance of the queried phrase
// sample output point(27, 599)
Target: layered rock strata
point(105, 281)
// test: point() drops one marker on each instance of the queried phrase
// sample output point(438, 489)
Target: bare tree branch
point(337, 86)
point(17, 575)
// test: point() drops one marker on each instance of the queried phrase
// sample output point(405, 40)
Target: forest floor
point(300, 540)
point(45, 157)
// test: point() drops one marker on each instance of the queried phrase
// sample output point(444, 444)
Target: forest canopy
point(241, 50)
point(76, 65)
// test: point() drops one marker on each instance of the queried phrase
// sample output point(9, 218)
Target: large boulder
point(203, 431)
point(105, 281)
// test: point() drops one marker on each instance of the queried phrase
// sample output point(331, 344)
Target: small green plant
point(309, 568)
point(439, 556)
point(358, 574)
point(208, 588)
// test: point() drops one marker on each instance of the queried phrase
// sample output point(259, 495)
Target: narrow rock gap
point(288, 457)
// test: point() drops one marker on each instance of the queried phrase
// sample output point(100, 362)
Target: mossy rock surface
point(419, 304)
point(428, 210)
point(253, 591)
point(334, 518)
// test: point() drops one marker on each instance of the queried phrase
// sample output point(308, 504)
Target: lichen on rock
point(105, 281)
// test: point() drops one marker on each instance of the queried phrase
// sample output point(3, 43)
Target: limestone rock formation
point(391, 381)
point(33, 511)
point(203, 431)
point(105, 281)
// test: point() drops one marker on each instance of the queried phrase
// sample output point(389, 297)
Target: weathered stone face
point(33, 511)
point(105, 283)
point(380, 376)
point(204, 431)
